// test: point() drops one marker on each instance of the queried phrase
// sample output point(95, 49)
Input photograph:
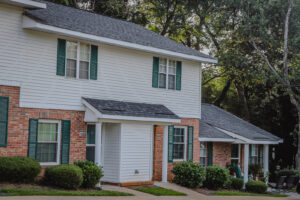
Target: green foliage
point(288, 172)
point(216, 177)
point(91, 173)
point(63, 176)
point(159, 191)
point(188, 174)
point(256, 187)
point(18, 169)
point(237, 183)
point(255, 169)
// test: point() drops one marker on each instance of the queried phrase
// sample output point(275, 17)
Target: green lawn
point(236, 193)
point(159, 191)
point(35, 192)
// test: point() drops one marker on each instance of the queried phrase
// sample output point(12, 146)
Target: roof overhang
point(25, 4)
point(29, 23)
point(93, 115)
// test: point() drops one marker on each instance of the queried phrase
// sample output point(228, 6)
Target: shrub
point(63, 176)
point(255, 169)
point(237, 183)
point(188, 174)
point(91, 173)
point(256, 187)
point(216, 177)
point(18, 169)
point(298, 188)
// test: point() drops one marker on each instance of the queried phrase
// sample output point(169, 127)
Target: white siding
point(29, 57)
point(136, 152)
point(111, 152)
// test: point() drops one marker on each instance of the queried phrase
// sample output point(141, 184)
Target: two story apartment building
point(75, 85)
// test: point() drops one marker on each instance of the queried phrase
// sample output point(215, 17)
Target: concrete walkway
point(191, 195)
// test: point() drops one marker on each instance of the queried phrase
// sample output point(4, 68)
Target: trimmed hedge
point(18, 169)
point(256, 187)
point(237, 183)
point(91, 173)
point(216, 177)
point(63, 176)
point(188, 174)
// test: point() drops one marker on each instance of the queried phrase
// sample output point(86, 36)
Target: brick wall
point(18, 124)
point(221, 153)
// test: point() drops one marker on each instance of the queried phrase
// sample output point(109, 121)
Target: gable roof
point(111, 107)
point(86, 22)
point(221, 119)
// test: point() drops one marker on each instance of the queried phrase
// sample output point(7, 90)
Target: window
point(235, 153)
point(90, 143)
point(253, 154)
point(4, 104)
point(162, 77)
point(179, 146)
point(167, 74)
point(78, 60)
point(171, 74)
point(203, 154)
point(48, 141)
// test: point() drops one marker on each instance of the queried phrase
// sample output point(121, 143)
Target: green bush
point(256, 187)
point(18, 169)
point(255, 169)
point(63, 176)
point(237, 183)
point(91, 173)
point(188, 174)
point(216, 177)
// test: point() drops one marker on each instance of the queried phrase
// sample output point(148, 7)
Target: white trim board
point(25, 3)
point(29, 23)
point(10, 83)
point(206, 139)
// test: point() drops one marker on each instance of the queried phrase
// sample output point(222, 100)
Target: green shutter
point(190, 143)
point(250, 153)
point(94, 62)
point(155, 72)
point(210, 153)
point(61, 57)
point(178, 75)
point(32, 137)
point(65, 141)
point(4, 105)
point(170, 143)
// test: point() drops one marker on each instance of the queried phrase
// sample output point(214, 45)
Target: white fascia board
point(206, 139)
point(29, 23)
point(25, 3)
point(10, 83)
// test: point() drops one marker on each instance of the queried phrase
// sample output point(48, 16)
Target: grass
point(38, 192)
point(236, 193)
point(159, 191)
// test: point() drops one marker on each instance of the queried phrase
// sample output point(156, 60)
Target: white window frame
point(185, 143)
point(77, 60)
point(58, 140)
point(91, 145)
point(256, 155)
point(205, 143)
point(167, 73)
point(239, 154)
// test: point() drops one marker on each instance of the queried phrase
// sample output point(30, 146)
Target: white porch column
point(246, 162)
point(266, 160)
point(98, 143)
point(165, 156)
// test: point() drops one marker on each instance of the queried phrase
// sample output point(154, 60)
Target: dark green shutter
point(190, 142)
point(155, 72)
point(260, 154)
point(32, 137)
point(65, 141)
point(94, 62)
point(210, 153)
point(170, 143)
point(61, 57)
point(178, 75)
point(4, 105)
point(250, 154)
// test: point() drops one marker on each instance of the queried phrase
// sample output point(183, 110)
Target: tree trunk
point(242, 100)
point(223, 94)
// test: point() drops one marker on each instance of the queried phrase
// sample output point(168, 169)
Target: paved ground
point(191, 195)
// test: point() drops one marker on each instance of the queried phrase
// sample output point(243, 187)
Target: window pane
point(84, 52)
point(162, 69)
point(47, 132)
point(172, 70)
point(171, 82)
point(163, 61)
point(203, 162)
point(46, 152)
point(234, 151)
point(162, 81)
point(84, 70)
point(202, 152)
point(71, 68)
point(90, 137)
point(72, 50)
point(172, 64)
point(90, 154)
point(178, 152)
point(179, 135)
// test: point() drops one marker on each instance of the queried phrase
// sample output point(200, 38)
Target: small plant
point(18, 169)
point(216, 177)
point(237, 183)
point(188, 174)
point(63, 176)
point(91, 173)
point(255, 169)
point(256, 187)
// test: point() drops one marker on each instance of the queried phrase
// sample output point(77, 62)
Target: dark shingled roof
point(99, 25)
point(111, 107)
point(208, 131)
point(217, 117)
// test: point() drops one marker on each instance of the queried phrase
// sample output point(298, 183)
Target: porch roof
point(215, 121)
